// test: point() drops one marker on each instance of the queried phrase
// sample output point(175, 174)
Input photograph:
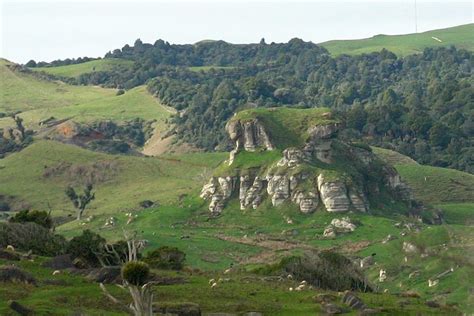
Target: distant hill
point(75, 70)
point(402, 45)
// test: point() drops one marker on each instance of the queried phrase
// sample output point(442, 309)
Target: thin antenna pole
point(416, 19)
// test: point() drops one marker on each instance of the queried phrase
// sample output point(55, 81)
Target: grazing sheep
point(290, 289)
point(382, 275)
point(56, 272)
point(303, 282)
point(211, 281)
point(289, 277)
point(213, 285)
point(11, 248)
point(227, 271)
point(432, 283)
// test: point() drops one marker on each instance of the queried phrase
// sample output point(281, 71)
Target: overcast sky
point(48, 30)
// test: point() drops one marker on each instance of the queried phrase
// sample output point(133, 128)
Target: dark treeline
point(420, 105)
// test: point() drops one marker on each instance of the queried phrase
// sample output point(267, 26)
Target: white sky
point(48, 30)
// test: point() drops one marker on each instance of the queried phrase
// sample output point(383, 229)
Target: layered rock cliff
point(318, 172)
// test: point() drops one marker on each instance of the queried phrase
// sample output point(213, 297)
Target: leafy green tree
point(80, 201)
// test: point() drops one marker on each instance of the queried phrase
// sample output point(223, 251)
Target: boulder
point(343, 225)
point(354, 302)
point(409, 247)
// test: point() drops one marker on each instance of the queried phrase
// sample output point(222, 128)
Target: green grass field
point(91, 66)
point(22, 92)
point(40, 99)
point(402, 45)
point(243, 292)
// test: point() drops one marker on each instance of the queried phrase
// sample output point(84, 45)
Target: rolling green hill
point(402, 45)
point(39, 174)
point(39, 99)
point(22, 92)
point(76, 70)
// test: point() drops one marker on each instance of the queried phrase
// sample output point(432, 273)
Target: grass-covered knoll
point(76, 70)
point(38, 175)
point(22, 92)
point(39, 100)
point(287, 127)
point(435, 185)
point(402, 45)
point(135, 103)
point(246, 161)
point(392, 157)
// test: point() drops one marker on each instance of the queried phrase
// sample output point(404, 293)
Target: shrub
point(136, 272)
point(87, 247)
point(41, 218)
point(326, 270)
point(31, 236)
point(15, 275)
point(120, 92)
point(146, 204)
point(166, 258)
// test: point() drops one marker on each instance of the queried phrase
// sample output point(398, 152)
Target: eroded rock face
point(218, 190)
point(278, 188)
point(293, 157)
point(298, 177)
point(336, 197)
point(250, 135)
point(251, 195)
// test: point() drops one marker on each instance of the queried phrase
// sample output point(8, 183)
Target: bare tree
point(140, 291)
point(80, 201)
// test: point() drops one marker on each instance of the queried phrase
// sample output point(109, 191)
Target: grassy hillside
point(39, 174)
point(135, 103)
point(22, 92)
point(91, 66)
point(402, 45)
point(40, 99)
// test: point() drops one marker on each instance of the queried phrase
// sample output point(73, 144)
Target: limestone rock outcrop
point(250, 135)
point(323, 172)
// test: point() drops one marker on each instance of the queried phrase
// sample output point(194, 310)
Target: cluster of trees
point(419, 105)
point(59, 62)
point(14, 138)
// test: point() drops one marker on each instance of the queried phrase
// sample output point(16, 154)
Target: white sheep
point(10, 248)
point(303, 282)
point(211, 281)
point(56, 272)
point(213, 285)
point(432, 283)
point(290, 289)
point(289, 277)
point(227, 271)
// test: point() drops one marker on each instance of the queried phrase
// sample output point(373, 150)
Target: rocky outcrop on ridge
point(308, 176)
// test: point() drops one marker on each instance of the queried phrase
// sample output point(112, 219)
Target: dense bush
point(39, 217)
point(87, 247)
point(31, 236)
point(418, 105)
point(136, 272)
point(15, 275)
point(166, 258)
point(326, 270)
